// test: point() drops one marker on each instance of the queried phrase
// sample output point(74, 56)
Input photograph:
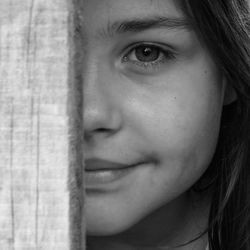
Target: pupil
point(147, 51)
point(147, 54)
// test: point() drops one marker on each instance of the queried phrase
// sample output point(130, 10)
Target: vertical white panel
point(35, 125)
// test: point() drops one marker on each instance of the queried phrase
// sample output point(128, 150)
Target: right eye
point(147, 56)
point(146, 53)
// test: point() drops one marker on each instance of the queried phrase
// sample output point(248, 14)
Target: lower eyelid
point(145, 68)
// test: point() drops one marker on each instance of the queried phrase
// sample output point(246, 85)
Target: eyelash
point(165, 55)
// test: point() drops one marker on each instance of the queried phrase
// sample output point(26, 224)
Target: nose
point(101, 111)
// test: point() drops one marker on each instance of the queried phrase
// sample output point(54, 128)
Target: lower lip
point(99, 177)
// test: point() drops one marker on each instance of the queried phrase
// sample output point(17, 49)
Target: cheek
point(184, 151)
point(180, 124)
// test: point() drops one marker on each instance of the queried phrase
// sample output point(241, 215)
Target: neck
point(171, 226)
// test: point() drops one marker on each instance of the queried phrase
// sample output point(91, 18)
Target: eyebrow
point(141, 24)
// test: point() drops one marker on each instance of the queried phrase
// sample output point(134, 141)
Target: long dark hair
point(224, 28)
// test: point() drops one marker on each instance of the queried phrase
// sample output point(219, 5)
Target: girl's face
point(153, 99)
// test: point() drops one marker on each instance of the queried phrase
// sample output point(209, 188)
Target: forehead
point(99, 13)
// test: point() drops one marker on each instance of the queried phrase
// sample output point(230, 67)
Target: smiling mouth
point(99, 172)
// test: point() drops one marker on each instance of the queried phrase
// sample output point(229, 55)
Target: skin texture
point(164, 116)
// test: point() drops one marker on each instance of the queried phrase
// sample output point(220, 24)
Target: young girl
point(167, 119)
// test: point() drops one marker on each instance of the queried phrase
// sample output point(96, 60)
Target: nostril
point(88, 135)
point(102, 130)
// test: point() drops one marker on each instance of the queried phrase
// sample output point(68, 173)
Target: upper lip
point(95, 164)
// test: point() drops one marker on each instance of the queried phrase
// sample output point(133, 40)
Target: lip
point(95, 164)
point(99, 172)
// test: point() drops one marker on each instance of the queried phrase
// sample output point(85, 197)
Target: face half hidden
point(152, 105)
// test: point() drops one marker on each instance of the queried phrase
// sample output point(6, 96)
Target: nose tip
point(96, 119)
point(100, 114)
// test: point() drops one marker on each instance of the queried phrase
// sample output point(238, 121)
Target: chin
point(102, 219)
point(107, 225)
point(106, 230)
